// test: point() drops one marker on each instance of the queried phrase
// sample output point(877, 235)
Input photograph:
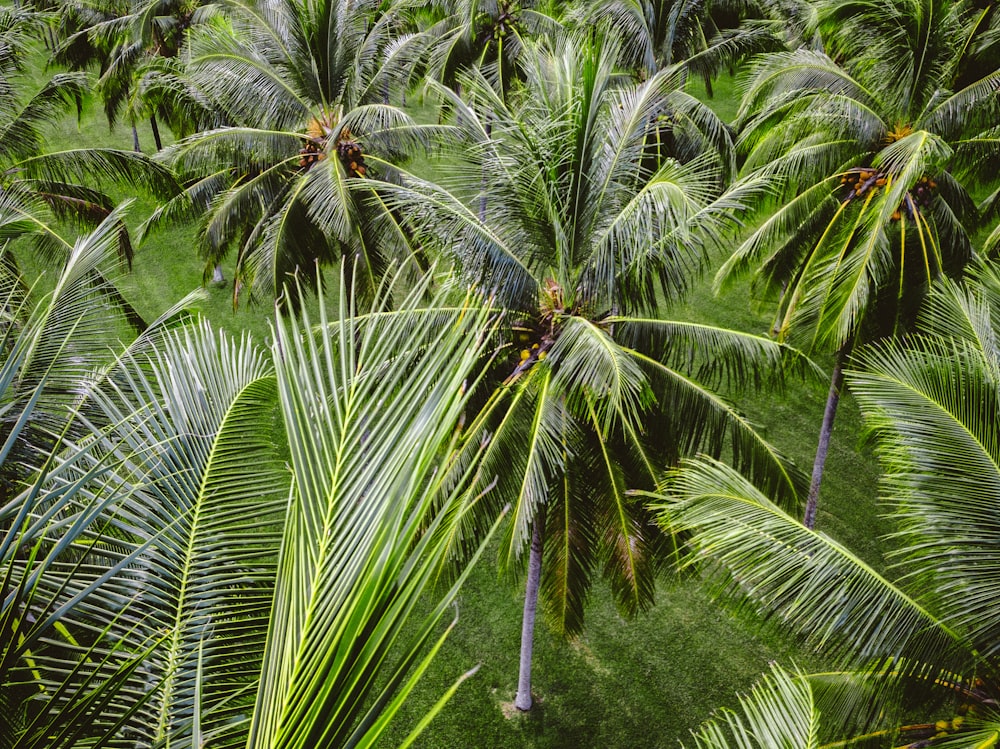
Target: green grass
point(623, 683)
point(725, 99)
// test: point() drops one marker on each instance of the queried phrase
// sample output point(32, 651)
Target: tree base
point(511, 711)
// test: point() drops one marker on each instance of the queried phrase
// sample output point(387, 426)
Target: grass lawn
point(623, 683)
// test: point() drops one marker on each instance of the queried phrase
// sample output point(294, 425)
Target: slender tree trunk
point(523, 699)
point(217, 276)
point(156, 132)
point(826, 430)
point(135, 140)
point(709, 92)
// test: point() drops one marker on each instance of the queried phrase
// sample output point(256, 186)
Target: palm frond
point(19, 131)
point(732, 46)
point(200, 490)
point(779, 711)
point(105, 166)
point(929, 407)
point(686, 364)
point(809, 582)
point(977, 102)
point(368, 520)
point(597, 378)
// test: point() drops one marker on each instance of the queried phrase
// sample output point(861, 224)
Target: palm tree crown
point(865, 156)
point(302, 85)
point(869, 162)
point(600, 201)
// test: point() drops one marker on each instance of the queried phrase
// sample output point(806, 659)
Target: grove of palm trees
point(497, 373)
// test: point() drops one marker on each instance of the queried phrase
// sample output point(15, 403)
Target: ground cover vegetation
point(474, 244)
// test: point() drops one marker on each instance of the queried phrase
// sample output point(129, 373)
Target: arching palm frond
point(199, 492)
point(20, 128)
point(61, 342)
point(808, 711)
point(813, 584)
point(779, 711)
point(52, 361)
point(688, 365)
point(369, 520)
point(931, 407)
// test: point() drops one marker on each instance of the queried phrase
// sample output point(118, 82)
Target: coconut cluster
point(862, 181)
point(314, 146)
point(499, 27)
point(865, 181)
point(316, 138)
point(310, 153)
point(534, 339)
point(351, 155)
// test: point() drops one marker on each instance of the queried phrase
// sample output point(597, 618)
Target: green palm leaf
point(369, 520)
point(931, 407)
point(814, 585)
point(779, 711)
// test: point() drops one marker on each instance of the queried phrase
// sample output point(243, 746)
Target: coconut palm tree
point(929, 629)
point(302, 86)
point(485, 34)
point(40, 186)
point(600, 198)
point(259, 602)
point(135, 46)
point(707, 36)
point(867, 153)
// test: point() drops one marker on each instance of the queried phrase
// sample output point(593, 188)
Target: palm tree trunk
point(522, 701)
point(217, 277)
point(826, 430)
point(156, 132)
point(135, 139)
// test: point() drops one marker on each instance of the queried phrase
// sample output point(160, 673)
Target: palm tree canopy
point(704, 36)
point(489, 35)
point(40, 187)
point(595, 201)
point(930, 405)
point(302, 88)
point(864, 168)
point(579, 172)
point(135, 47)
